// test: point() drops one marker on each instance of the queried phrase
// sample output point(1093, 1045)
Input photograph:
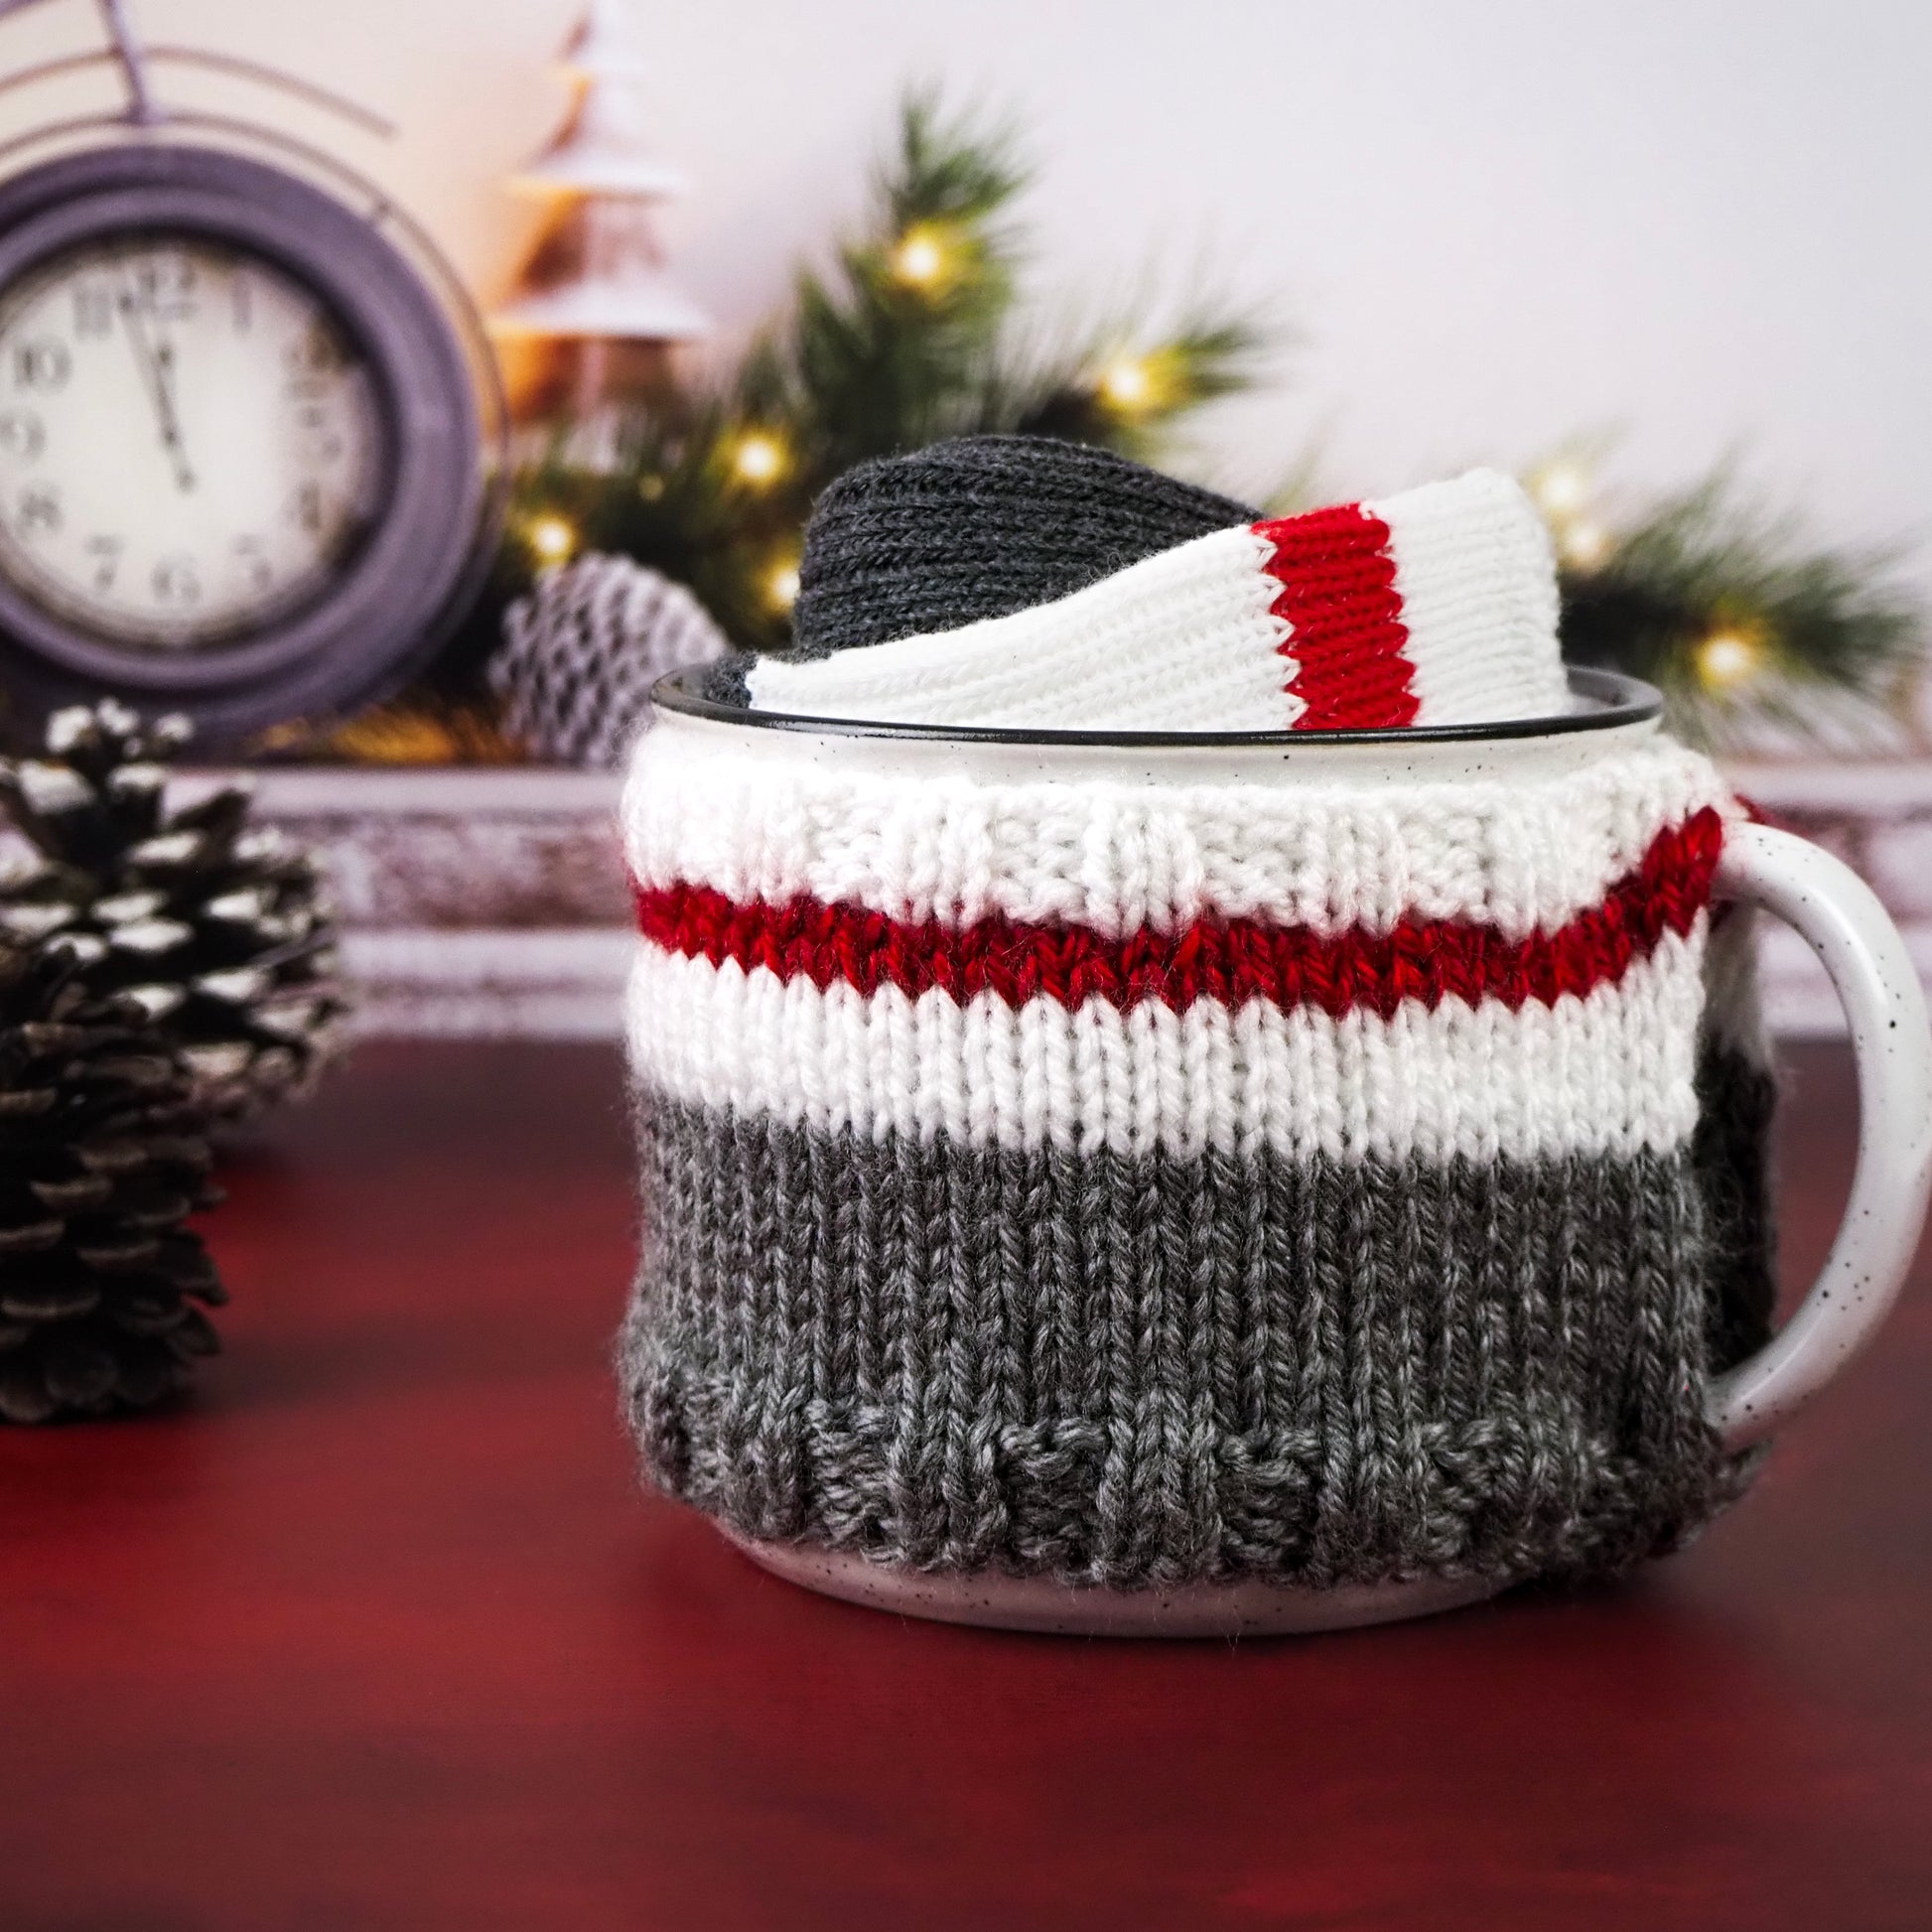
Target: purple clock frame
point(383, 612)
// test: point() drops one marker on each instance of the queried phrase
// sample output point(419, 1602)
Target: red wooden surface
point(375, 1634)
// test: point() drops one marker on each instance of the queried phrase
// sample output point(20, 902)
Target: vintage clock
point(245, 467)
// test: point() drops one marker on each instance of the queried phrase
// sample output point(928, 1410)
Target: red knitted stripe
point(1228, 960)
point(1338, 593)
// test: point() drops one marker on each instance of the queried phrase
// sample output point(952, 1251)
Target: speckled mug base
point(1040, 1604)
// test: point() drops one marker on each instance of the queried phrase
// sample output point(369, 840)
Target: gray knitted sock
point(980, 527)
point(976, 528)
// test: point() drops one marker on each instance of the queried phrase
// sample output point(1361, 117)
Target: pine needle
point(1741, 620)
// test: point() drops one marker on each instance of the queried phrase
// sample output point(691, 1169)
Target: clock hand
point(159, 385)
point(161, 361)
point(164, 369)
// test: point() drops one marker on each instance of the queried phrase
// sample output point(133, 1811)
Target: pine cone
point(582, 650)
point(100, 1163)
point(197, 903)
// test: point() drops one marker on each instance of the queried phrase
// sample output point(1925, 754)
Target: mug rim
point(1616, 700)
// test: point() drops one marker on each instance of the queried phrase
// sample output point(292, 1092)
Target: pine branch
point(909, 337)
point(1124, 398)
point(873, 360)
point(1736, 615)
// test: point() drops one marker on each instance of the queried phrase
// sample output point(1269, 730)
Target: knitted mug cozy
point(1326, 1176)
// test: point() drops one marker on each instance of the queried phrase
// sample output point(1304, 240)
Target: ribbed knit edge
point(1183, 640)
point(981, 526)
point(762, 816)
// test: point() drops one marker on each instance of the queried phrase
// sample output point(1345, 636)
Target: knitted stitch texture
point(1150, 1182)
point(979, 527)
point(1435, 607)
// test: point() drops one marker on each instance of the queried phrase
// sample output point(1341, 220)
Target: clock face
point(190, 445)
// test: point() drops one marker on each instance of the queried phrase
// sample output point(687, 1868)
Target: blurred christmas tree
point(918, 330)
point(912, 336)
point(1760, 638)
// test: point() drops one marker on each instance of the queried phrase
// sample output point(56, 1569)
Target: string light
point(1127, 385)
point(551, 538)
point(1585, 544)
point(1561, 488)
point(759, 459)
point(922, 260)
point(1562, 491)
point(1727, 658)
point(781, 584)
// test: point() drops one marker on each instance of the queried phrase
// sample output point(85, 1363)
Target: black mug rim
point(1613, 700)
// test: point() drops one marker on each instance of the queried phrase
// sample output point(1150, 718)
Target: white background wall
point(1495, 221)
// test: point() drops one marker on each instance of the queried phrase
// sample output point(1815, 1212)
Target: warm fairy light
point(782, 584)
point(1562, 491)
point(551, 538)
point(1585, 544)
point(1561, 488)
point(759, 459)
point(922, 260)
point(1126, 384)
point(1726, 659)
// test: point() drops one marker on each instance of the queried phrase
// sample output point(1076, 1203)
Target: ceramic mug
point(1168, 1183)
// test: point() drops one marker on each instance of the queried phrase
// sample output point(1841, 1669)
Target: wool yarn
point(1156, 1182)
point(1435, 606)
point(981, 526)
point(956, 532)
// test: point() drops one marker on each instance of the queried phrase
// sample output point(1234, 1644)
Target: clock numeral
point(320, 443)
point(166, 286)
point(305, 509)
point(176, 580)
point(315, 353)
point(44, 365)
point(106, 553)
point(21, 435)
point(93, 311)
point(262, 574)
point(40, 510)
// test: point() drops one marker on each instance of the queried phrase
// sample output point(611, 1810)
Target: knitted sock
point(980, 527)
point(1438, 606)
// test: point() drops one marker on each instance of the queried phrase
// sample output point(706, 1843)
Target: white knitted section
point(1180, 642)
point(1610, 1073)
point(1477, 581)
point(757, 818)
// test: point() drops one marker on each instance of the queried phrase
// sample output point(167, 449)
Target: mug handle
point(1839, 917)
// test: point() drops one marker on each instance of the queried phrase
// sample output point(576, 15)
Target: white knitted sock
point(1435, 606)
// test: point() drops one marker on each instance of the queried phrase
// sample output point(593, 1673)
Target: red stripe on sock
point(1228, 960)
point(1337, 579)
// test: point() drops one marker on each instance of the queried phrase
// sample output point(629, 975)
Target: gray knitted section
point(1125, 1371)
point(1731, 1152)
point(976, 528)
point(980, 527)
